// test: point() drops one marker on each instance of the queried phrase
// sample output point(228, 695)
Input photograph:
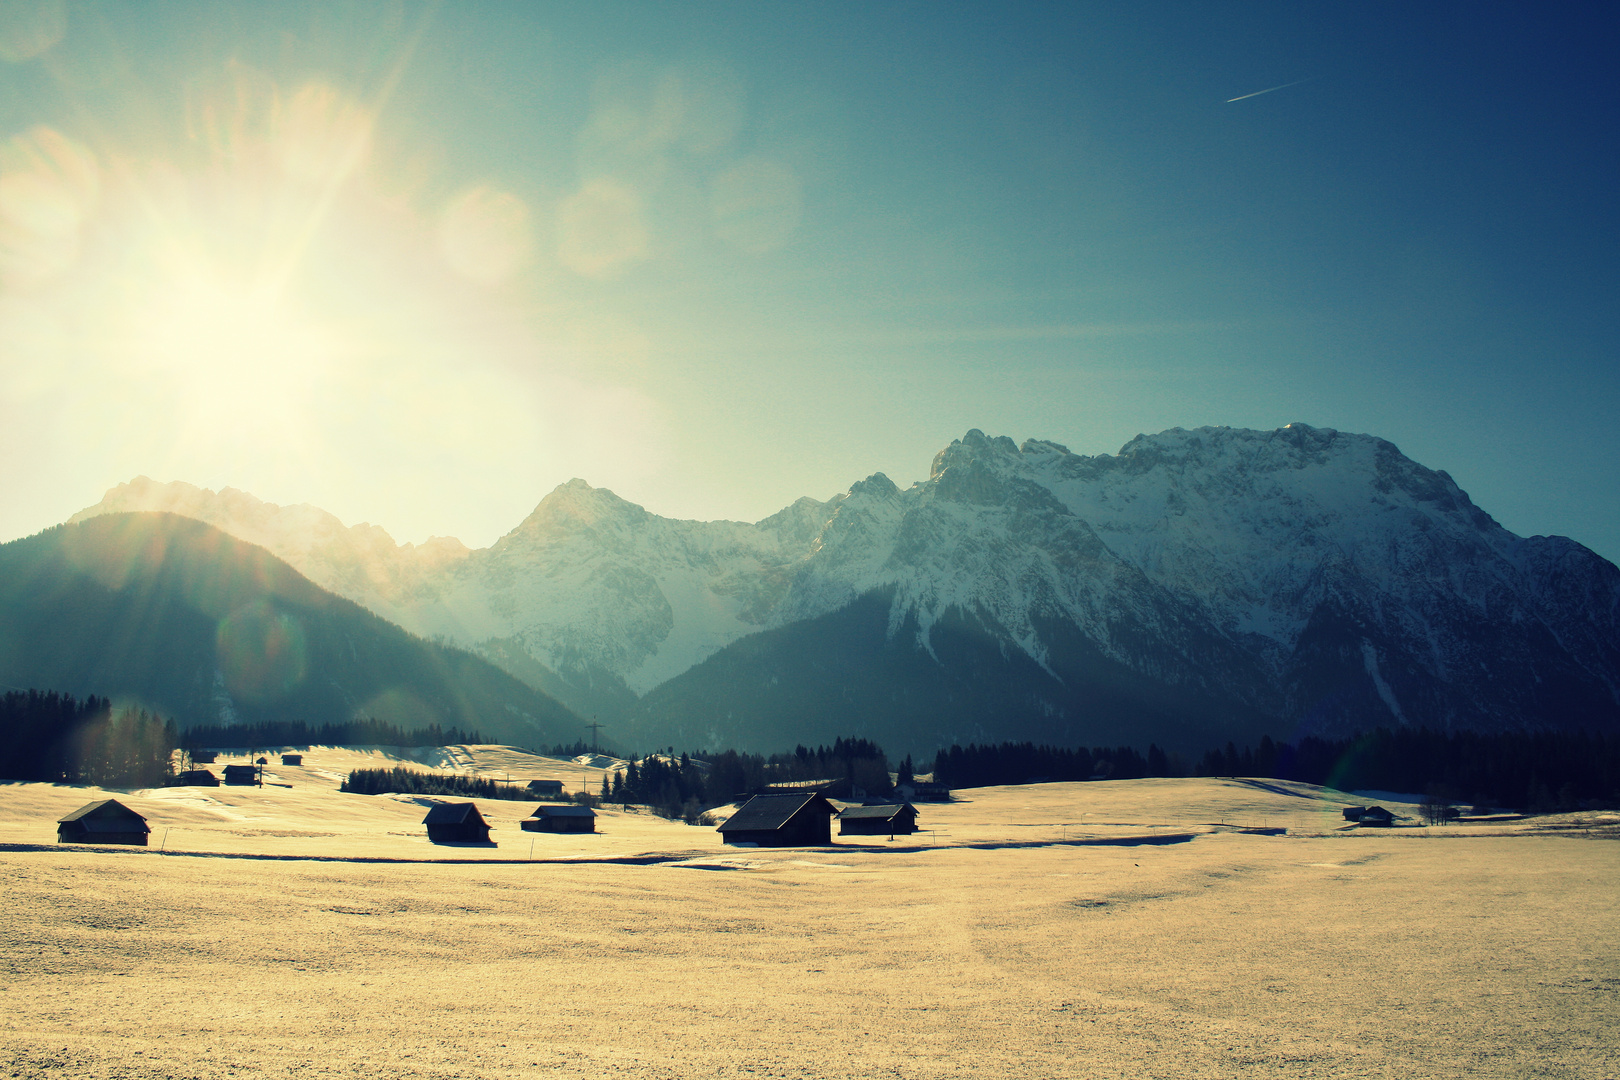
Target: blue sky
point(719, 256)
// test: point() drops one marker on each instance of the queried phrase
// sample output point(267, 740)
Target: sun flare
point(239, 364)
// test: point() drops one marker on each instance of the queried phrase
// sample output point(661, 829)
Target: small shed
point(292, 759)
point(196, 778)
point(202, 757)
point(566, 817)
point(456, 823)
point(106, 822)
point(545, 787)
point(1353, 813)
point(242, 774)
point(890, 819)
point(781, 821)
point(1376, 817)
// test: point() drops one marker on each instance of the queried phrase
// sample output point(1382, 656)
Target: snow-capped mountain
point(1197, 584)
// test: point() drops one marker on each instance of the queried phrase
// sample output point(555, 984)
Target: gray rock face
point(1294, 580)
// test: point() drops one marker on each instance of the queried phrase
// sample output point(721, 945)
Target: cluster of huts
point(795, 820)
point(461, 823)
point(805, 820)
point(1373, 817)
point(251, 775)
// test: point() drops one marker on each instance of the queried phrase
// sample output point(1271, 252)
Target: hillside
point(1195, 587)
point(176, 616)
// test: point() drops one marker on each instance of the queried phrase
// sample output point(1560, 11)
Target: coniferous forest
point(363, 732)
point(45, 735)
point(408, 781)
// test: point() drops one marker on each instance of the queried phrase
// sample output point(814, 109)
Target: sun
point(238, 363)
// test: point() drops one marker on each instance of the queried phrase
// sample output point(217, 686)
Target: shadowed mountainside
point(203, 628)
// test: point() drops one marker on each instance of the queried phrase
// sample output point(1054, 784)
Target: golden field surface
point(1055, 930)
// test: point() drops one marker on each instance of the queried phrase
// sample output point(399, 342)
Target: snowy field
point(1032, 932)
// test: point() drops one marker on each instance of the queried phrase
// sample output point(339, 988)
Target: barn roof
point(764, 812)
point(883, 813)
point(98, 815)
point(563, 810)
point(460, 813)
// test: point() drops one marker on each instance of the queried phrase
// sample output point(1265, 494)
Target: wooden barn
point(106, 822)
point(563, 817)
point(890, 819)
point(196, 778)
point(1376, 817)
point(456, 823)
point(202, 757)
point(545, 787)
point(242, 774)
point(781, 821)
point(292, 759)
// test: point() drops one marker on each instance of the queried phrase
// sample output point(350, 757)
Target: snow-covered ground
point(1481, 951)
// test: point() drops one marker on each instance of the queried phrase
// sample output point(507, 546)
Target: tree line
point(53, 737)
point(417, 782)
point(1536, 770)
point(1541, 771)
point(358, 732)
point(1026, 763)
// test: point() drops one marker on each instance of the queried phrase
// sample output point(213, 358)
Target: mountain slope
point(205, 628)
point(1194, 584)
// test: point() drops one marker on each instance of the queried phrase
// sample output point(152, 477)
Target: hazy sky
point(418, 265)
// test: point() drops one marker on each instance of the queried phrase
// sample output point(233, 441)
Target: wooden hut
point(1376, 817)
point(890, 819)
point(545, 787)
point(196, 778)
point(456, 823)
point(292, 759)
point(781, 821)
point(242, 774)
point(106, 822)
point(562, 817)
point(202, 757)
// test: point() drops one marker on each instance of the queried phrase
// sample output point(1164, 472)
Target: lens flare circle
point(261, 652)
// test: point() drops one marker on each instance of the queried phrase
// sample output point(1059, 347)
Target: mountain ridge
point(206, 628)
point(1308, 577)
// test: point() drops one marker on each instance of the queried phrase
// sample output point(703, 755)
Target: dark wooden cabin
point(546, 787)
point(1376, 817)
point(888, 820)
point(242, 774)
point(196, 778)
point(456, 823)
point(564, 817)
point(781, 821)
point(292, 759)
point(202, 757)
point(106, 822)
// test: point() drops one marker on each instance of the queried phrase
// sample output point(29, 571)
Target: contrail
point(1268, 90)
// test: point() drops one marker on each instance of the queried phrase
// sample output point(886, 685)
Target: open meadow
point(1124, 928)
